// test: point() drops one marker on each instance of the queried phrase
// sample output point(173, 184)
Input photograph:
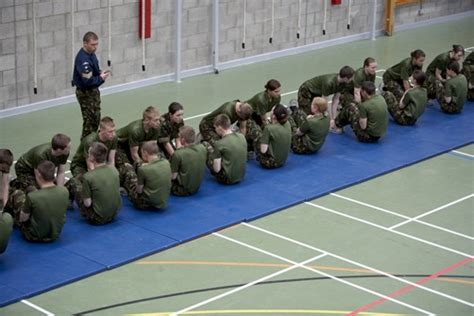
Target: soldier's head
point(417, 58)
point(419, 77)
point(453, 68)
point(151, 118)
point(367, 90)
point(187, 135)
point(222, 124)
point(280, 113)
point(273, 88)
point(90, 41)
point(149, 150)
point(176, 112)
point(244, 111)
point(44, 172)
point(106, 129)
point(346, 74)
point(456, 53)
point(319, 105)
point(98, 153)
point(6, 160)
point(370, 66)
point(60, 145)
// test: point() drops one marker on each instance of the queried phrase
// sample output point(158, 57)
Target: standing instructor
point(87, 77)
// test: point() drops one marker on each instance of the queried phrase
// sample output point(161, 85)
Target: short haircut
point(89, 36)
point(245, 111)
point(458, 49)
point(150, 147)
point(272, 85)
point(419, 76)
point(46, 169)
point(6, 157)
point(222, 120)
point(346, 72)
point(175, 107)
point(417, 53)
point(106, 121)
point(281, 113)
point(453, 66)
point(60, 141)
point(150, 111)
point(368, 87)
point(188, 134)
point(368, 61)
point(99, 152)
point(321, 104)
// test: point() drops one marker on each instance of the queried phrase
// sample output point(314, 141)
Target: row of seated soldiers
point(155, 155)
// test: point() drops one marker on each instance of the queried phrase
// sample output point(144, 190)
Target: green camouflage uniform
point(347, 96)
point(24, 168)
point(456, 88)
point(323, 85)
point(232, 150)
point(415, 101)
point(89, 101)
point(314, 131)
point(6, 228)
point(393, 77)
point(468, 72)
point(189, 163)
point(440, 62)
point(262, 104)
point(168, 133)
point(278, 139)
point(375, 110)
point(208, 133)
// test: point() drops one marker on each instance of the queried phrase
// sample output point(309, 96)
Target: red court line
point(410, 287)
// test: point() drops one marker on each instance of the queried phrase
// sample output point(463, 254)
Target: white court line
point(326, 274)
point(402, 216)
point(240, 288)
point(37, 308)
point(432, 211)
point(379, 77)
point(462, 153)
point(288, 93)
point(357, 264)
point(390, 230)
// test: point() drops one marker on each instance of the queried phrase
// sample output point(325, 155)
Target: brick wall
point(54, 36)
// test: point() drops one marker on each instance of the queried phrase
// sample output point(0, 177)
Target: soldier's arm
point(5, 185)
point(243, 127)
point(60, 175)
point(174, 175)
point(401, 105)
point(134, 154)
point(357, 97)
point(406, 85)
point(363, 123)
point(87, 77)
point(216, 164)
point(87, 202)
point(263, 148)
point(169, 149)
point(111, 158)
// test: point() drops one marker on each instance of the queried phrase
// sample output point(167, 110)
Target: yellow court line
point(268, 311)
point(276, 265)
point(246, 264)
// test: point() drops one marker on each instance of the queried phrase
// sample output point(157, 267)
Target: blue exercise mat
point(28, 269)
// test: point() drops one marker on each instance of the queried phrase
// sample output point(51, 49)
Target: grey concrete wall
point(54, 36)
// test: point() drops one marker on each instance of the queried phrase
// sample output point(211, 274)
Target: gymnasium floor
point(356, 251)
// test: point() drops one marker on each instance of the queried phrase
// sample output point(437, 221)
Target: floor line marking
point(304, 266)
point(406, 289)
point(42, 310)
point(462, 153)
point(266, 311)
point(288, 93)
point(357, 264)
point(432, 211)
point(402, 216)
point(390, 230)
point(215, 298)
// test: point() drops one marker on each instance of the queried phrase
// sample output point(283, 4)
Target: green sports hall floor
point(354, 244)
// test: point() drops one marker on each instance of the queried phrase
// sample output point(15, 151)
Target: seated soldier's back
point(156, 178)
point(102, 186)
point(233, 151)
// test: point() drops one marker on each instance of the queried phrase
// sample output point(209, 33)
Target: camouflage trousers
point(297, 119)
point(74, 186)
point(220, 176)
point(25, 177)
point(305, 98)
point(468, 72)
point(179, 190)
point(122, 159)
point(267, 161)
point(431, 86)
point(89, 100)
point(393, 86)
point(451, 107)
point(78, 169)
point(6, 222)
point(346, 99)
point(254, 133)
point(393, 107)
point(130, 184)
point(350, 115)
